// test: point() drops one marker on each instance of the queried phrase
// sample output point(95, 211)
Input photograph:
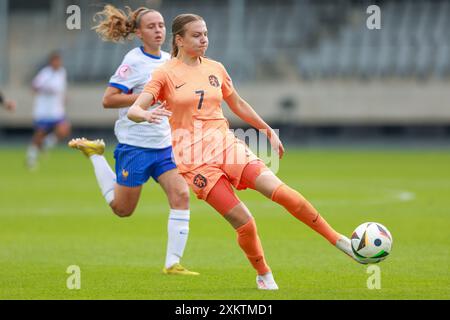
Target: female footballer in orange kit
point(192, 88)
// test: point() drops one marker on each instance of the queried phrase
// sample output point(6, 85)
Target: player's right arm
point(139, 112)
point(114, 98)
point(128, 76)
point(41, 82)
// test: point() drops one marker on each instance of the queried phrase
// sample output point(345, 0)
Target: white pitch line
point(406, 196)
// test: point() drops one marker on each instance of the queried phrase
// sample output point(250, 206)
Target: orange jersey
point(194, 95)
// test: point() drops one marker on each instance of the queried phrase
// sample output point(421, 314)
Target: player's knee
point(121, 211)
point(63, 131)
point(180, 197)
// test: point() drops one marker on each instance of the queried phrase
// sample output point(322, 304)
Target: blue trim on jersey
point(150, 55)
point(135, 165)
point(121, 87)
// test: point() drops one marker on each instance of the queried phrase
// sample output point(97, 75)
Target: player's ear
point(179, 40)
point(138, 33)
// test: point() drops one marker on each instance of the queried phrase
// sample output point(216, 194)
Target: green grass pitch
point(56, 217)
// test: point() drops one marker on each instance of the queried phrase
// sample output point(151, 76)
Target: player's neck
point(152, 51)
point(189, 60)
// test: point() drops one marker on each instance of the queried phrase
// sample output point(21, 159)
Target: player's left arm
point(243, 110)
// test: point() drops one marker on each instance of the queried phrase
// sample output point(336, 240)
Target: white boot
point(266, 282)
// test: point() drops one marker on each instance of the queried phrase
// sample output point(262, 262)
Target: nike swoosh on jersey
point(178, 87)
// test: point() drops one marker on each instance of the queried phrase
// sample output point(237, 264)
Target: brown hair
point(54, 55)
point(117, 25)
point(178, 25)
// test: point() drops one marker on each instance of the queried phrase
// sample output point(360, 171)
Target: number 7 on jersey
point(202, 95)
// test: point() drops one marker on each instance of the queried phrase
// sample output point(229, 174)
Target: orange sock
point(249, 242)
point(300, 208)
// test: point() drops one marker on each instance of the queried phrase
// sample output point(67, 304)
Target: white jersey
point(50, 85)
point(131, 77)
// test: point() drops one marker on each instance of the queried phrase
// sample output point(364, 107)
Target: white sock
point(267, 276)
point(106, 178)
point(32, 154)
point(50, 141)
point(178, 230)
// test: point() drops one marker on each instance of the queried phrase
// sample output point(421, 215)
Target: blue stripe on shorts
point(135, 165)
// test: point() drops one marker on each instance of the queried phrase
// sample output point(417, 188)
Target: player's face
point(195, 40)
point(56, 62)
point(152, 30)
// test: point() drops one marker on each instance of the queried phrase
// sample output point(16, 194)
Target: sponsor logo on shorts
point(125, 174)
point(214, 81)
point(200, 181)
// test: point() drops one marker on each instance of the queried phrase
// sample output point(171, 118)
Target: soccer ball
point(371, 242)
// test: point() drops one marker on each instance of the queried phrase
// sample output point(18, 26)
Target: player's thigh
point(126, 198)
point(225, 201)
point(175, 187)
point(62, 129)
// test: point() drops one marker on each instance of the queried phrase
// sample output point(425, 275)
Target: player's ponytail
point(178, 25)
point(117, 25)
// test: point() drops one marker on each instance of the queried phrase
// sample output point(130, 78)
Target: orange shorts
point(230, 164)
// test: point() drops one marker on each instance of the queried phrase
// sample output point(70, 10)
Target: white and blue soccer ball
point(371, 242)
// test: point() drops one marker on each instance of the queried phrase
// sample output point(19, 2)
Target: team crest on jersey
point(214, 81)
point(124, 71)
point(200, 181)
point(125, 174)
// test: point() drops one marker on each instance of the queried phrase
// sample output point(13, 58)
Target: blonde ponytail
point(116, 25)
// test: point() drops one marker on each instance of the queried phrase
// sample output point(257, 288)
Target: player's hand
point(10, 105)
point(276, 143)
point(156, 115)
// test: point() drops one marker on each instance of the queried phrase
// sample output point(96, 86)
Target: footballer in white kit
point(145, 149)
point(50, 86)
point(49, 116)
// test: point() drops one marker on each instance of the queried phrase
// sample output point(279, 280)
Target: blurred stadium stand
point(318, 54)
point(413, 42)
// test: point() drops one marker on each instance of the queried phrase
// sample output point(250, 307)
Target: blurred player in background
point(193, 87)
point(9, 105)
point(49, 116)
point(144, 150)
